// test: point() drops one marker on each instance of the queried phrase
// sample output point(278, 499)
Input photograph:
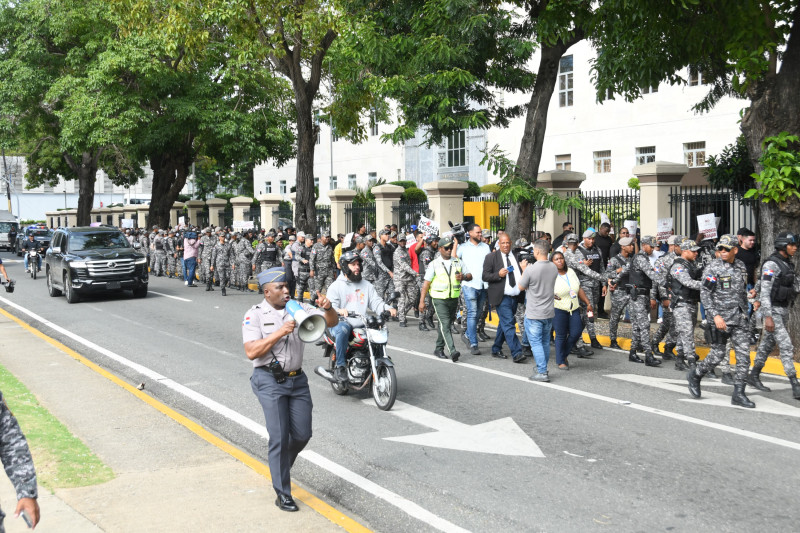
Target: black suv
point(93, 259)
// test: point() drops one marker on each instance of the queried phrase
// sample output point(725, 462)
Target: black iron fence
point(253, 215)
point(356, 215)
point(285, 215)
point(405, 214)
point(323, 218)
point(227, 215)
point(499, 222)
point(618, 206)
point(729, 205)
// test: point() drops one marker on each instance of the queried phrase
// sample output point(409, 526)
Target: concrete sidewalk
point(166, 477)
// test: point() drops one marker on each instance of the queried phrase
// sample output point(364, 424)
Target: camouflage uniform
point(620, 296)
point(383, 285)
point(323, 266)
point(267, 255)
point(207, 243)
point(171, 250)
point(684, 282)
point(424, 260)
point(16, 457)
point(160, 255)
point(405, 281)
point(643, 281)
point(144, 242)
point(303, 270)
point(369, 268)
point(222, 257)
point(244, 256)
point(667, 327)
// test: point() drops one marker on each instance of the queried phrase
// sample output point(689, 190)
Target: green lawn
point(62, 460)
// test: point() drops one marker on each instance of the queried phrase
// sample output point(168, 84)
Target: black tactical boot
point(650, 360)
point(668, 352)
point(615, 345)
point(223, 291)
point(739, 398)
point(795, 388)
point(431, 325)
point(727, 378)
point(208, 287)
point(656, 349)
point(694, 381)
point(754, 379)
point(416, 313)
point(423, 326)
point(596, 344)
point(633, 358)
point(482, 335)
point(712, 375)
point(680, 363)
point(403, 323)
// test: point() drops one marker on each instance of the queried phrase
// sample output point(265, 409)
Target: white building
point(604, 141)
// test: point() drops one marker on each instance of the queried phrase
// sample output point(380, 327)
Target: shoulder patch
point(679, 270)
point(768, 274)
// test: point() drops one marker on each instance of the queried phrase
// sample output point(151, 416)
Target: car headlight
point(78, 264)
point(141, 261)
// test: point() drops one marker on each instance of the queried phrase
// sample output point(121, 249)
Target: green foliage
point(413, 195)
point(731, 168)
point(633, 183)
point(515, 189)
point(293, 188)
point(491, 188)
point(780, 178)
point(406, 184)
point(364, 195)
point(473, 189)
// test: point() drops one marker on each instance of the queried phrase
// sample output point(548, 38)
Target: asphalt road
point(608, 445)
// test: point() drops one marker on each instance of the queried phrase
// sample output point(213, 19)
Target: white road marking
point(170, 296)
point(405, 505)
point(501, 437)
point(644, 408)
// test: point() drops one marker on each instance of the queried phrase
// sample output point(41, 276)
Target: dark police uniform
point(287, 406)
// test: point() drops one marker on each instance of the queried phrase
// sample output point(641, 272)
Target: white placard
point(631, 225)
point(428, 226)
point(181, 221)
point(664, 229)
point(604, 219)
point(127, 223)
point(707, 225)
point(241, 224)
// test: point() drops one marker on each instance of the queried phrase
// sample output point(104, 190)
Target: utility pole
point(8, 180)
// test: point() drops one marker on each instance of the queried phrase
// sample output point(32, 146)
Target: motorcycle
point(367, 361)
point(33, 262)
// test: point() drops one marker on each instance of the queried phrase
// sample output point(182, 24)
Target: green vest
point(442, 285)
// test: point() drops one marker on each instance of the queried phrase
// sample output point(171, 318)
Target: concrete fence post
point(240, 205)
point(216, 207)
point(175, 211)
point(193, 209)
point(141, 215)
point(385, 196)
point(340, 199)
point(561, 182)
point(655, 180)
point(269, 209)
point(446, 202)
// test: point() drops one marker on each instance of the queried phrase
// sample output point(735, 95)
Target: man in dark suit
point(502, 272)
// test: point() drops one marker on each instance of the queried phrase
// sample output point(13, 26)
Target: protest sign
point(127, 223)
point(707, 225)
point(239, 225)
point(632, 225)
point(664, 229)
point(428, 226)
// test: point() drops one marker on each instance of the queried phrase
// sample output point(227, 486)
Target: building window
point(351, 181)
point(283, 187)
point(565, 82)
point(602, 162)
point(564, 162)
point(268, 187)
point(648, 89)
point(456, 149)
point(333, 183)
point(373, 123)
point(645, 154)
point(694, 154)
point(373, 177)
point(695, 78)
point(316, 183)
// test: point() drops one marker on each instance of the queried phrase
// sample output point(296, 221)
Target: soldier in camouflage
point(424, 258)
point(171, 250)
point(779, 289)
point(207, 243)
point(267, 254)
point(590, 277)
point(244, 258)
point(667, 327)
point(405, 279)
point(18, 463)
point(223, 261)
point(724, 295)
point(323, 268)
point(369, 268)
point(684, 282)
point(617, 283)
point(642, 289)
point(304, 281)
point(382, 251)
point(159, 255)
point(144, 242)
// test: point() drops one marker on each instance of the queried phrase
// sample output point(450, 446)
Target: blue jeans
point(474, 300)
point(342, 334)
point(189, 267)
point(568, 330)
point(506, 330)
point(539, 337)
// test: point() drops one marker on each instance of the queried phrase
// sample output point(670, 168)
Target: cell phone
point(28, 521)
point(510, 268)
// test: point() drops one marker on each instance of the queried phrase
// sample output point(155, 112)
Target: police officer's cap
point(571, 238)
point(589, 234)
point(446, 241)
point(689, 244)
point(384, 232)
point(272, 275)
point(785, 238)
point(368, 238)
point(649, 240)
point(326, 234)
point(431, 239)
point(292, 238)
point(728, 242)
point(301, 234)
point(271, 234)
point(401, 238)
point(358, 239)
point(626, 241)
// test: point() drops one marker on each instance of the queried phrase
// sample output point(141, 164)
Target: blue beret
point(273, 275)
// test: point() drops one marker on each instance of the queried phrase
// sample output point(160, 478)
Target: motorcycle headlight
point(78, 264)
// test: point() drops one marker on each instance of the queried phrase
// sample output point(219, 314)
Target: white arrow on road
point(763, 404)
point(501, 437)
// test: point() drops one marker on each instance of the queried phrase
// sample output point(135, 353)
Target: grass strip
point(62, 460)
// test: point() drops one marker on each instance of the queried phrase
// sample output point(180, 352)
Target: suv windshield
point(5, 227)
point(39, 233)
point(95, 241)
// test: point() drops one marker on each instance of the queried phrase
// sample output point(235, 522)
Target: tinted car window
point(5, 227)
point(94, 241)
point(57, 239)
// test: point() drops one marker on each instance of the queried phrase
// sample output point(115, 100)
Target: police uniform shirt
point(263, 320)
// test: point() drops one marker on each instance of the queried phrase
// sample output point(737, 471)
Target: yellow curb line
point(324, 509)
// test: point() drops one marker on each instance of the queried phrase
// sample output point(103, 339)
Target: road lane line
point(412, 509)
point(617, 401)
point(170, 296)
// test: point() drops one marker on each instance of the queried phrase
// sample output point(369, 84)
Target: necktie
point(511, 279)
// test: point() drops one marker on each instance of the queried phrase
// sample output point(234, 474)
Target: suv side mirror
point(56, 249)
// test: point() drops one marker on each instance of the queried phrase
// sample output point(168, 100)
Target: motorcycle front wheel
point(384, 387)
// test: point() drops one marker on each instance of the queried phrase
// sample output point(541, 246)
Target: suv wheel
point(141, 292)
point(52, 291)
point(69, 292)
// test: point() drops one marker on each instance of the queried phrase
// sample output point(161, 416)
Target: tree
point(732, 167)
point(473, 189)
point(749, 50)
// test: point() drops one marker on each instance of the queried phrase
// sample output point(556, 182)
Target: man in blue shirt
point(472, 254)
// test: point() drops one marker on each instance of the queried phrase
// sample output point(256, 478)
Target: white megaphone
point(309, 327)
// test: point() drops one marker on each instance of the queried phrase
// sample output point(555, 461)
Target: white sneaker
point(186, 282)
point(659, 320)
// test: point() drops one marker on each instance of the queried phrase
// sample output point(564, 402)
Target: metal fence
point(227, 215)
point(285, 215)
point(323, 218)
point(405, 215)
point(498, 222)
point(355, 215)
point(618, 206)
point(253, 215)
point(729, 205)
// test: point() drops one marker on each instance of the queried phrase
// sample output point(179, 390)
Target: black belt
point(292, 374)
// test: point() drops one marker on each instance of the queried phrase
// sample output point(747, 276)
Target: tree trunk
point(170, 171)
point(86, 174)
point(305, 209)
point(775, 108)
point(520, 216)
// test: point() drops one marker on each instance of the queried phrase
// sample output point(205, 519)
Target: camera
point(276, 370)
point(526, 255)
point(458, 231)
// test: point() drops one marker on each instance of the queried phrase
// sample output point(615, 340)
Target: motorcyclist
point(32, 244)
point(349, 295)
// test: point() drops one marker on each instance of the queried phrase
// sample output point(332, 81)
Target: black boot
point(431, 325)
point(694, 381)
point(416, 313)
point(754, 379)
point(482, 335)
point(656, 349)
point(650, 360)
point(403, 323)
point(633, 358)
point(208, 287)
point(422, 326)
point(668, 352)
point(596, 344)
point(223, 291)
point(680, 363)
point(454, 329)
point(795, 387)
point(712, 375)
point(727, 378)
point(615, 345)
point(739, 397)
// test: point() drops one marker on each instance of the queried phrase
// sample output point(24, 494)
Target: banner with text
point(707, 225)
point(428, 226)
point(664, 229)
point(239, 225)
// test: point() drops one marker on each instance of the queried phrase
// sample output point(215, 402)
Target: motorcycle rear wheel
point(384, 387)
point(338, 388)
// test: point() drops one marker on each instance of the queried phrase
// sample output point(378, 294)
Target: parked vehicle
point(83, 260)
point(7, 222)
